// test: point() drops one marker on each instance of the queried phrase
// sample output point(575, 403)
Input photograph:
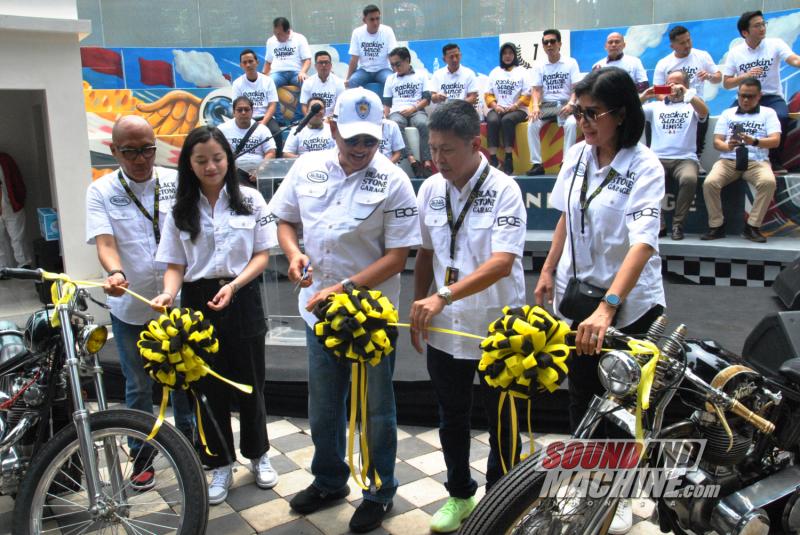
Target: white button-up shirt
point(624, 213)
point(495, 223)
point(348, 221)
point(226, 242)
point(109, 210)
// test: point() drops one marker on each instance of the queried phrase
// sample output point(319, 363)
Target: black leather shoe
point(677, 233)
point(753, 234)
point(312, 499)
point(662, 233)
point(494, 162)
point(508, 165)
point(536, 170)
point(714, 233)
point(369, 516)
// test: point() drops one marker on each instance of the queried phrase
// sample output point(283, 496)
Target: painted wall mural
point(177, 89)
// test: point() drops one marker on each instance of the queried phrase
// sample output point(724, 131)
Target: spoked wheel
point(54, 498)
point(515, 506)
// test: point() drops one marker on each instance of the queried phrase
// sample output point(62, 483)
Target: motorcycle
point(748, 459)
point(72, 472)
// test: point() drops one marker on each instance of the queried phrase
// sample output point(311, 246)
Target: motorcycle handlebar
point(21, 273)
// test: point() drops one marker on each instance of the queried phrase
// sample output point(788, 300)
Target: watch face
point(612, 300)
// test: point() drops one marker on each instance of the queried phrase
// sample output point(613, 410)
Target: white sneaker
point(221, 481)
point(623, 518)
point(266, 476)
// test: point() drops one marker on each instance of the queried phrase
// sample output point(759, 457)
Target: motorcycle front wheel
point(514, 506)
point(53, 495)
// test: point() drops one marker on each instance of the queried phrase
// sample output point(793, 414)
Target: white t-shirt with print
point(328, 91)
point(694, 62)
point(556, 79)
point(252, 152)
point(392, 139)
point(630, 64)
point(454, 85)
point(507, 85)
point(405, 91)
point(310, 140)
point(372, 49)
point(261, 93)
point(674, 129)
point(624, 213)
point(760, 124)
point(289, 55)
point(767, 55)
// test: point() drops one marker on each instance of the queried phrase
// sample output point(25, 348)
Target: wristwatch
point(445, 293)
point(612, 300)
point(348, 285)
point(755, 142)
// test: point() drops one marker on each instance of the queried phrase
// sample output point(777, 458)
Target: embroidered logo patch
point(317, 176)
point(120, 200)
point(362, 108)
point(437, 203)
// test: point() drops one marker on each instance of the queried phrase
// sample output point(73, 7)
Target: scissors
point(303, 276)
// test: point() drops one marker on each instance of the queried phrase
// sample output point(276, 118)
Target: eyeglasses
point(367, 141)
point(546, 42)
point(131, 154)
point(243, 110)
point(324, 62)
point(591, 115)
point(747, 96)
point(396, 64)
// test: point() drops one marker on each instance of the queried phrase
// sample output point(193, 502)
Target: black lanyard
point(454, 227)
point(153, 218)
point(612, 174)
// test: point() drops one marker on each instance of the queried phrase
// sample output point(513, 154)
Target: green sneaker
point(453, 512)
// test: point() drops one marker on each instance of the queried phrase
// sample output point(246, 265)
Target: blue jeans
point(328, 386)
point(283, 78)
point(360, 78)
point(139, 386)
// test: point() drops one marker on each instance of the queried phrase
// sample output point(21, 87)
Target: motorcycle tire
point(173, 449)
point(514, 506)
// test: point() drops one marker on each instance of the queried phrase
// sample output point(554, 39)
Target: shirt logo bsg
point(317, 176)
point(120, 200)
point(437, 203)
point(403, 212)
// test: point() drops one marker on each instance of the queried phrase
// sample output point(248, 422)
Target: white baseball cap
point(359, 111)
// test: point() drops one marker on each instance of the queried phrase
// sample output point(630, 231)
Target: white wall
point(43, 54)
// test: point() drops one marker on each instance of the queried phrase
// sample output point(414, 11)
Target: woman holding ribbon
point(605, 246)
point(216, 243)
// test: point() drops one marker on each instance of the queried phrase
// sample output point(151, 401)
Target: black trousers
point(506, 122)
point(240, 328)
point(583, 380)
point(452, 380)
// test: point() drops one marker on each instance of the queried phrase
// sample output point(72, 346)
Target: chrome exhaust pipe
point(25, 423)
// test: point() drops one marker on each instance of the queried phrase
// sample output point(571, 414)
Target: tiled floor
point(420, 469)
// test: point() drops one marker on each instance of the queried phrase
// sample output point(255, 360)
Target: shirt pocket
point(479, 239)
point(366, 213)
point(126, 227)
point(241, 233)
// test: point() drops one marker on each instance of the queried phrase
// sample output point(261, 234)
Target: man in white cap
point(359, 218)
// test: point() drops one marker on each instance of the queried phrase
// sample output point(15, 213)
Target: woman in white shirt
point(216, 243)
point(507, 101)
point(610, 189)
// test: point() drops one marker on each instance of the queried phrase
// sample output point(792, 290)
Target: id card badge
point(450, 276)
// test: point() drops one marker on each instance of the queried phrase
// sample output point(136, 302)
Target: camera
point(742, 155)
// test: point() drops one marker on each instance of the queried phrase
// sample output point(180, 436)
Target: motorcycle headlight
point(92, 338)
point(619, 373)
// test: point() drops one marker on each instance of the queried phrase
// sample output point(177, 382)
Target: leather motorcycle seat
point(11, 345)
point(791, 370)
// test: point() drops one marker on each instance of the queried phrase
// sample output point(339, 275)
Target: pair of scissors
point(303, 277)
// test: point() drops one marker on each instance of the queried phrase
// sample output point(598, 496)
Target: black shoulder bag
point(244, 176)
point(580, 298)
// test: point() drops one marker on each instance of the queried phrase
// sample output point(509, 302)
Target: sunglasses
point(546, 42)
point(131, 154)
point(367, 141)
point(589, 114)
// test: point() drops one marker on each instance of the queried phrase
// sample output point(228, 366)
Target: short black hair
point(751, 81)
point(448, 47)
point(552, 31)
point(677, 31)
point(456, 116)
point(283, 22)
point(322, 53)
point(743, 24)
point(614, 88)
point(242, 98)
point(513, 48)
point(401, 52)
point(245, 52)
point(315, 99)
point(371, 8)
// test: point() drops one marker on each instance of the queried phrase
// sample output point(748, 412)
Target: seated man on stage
point(743, 135)
point(370, 45)
point(552, 98)
point(314, 137)
point(251, 142)
point(615, 44)
point(674, 119)
point(287, 57)
point(261, 91)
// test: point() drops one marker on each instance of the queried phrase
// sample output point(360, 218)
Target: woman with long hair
point(216, 243)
